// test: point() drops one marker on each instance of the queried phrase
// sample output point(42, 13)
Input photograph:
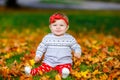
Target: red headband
point(57, 16)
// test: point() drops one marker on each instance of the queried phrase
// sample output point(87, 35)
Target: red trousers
point(46, 68)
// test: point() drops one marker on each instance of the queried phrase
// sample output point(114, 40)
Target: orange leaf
point(106, 69)
point(40, 72)
point(58, 77)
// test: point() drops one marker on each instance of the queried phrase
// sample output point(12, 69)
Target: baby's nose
point(58, 27)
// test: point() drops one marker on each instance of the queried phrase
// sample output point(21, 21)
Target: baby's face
point(59, 27)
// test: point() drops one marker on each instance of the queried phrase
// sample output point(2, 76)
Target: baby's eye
point(54, 25)
point(61, 25)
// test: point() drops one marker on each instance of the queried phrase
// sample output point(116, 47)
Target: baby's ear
point(67, 28)
point(50, 26)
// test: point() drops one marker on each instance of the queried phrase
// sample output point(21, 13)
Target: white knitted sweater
point(57, 49)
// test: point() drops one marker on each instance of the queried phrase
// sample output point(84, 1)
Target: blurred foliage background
point(117, 1)
point(83, 20)
point(73, 1)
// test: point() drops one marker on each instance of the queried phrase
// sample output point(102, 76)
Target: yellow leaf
point(32, 62)
point(84, 74)
point(7, 56)
point(58, 77)
point(45, 78)
point(104, 77)
point(95, 60)
point(76, 74)
point(96, 72)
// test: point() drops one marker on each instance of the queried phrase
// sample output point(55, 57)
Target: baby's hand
point(77, 55)
point(37, 59)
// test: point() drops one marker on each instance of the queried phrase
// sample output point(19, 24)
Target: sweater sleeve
point(75, 46)
point(41, 48)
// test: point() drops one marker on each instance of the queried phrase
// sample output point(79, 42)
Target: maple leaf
point(94, 50)
point(32, 62)
point(28, 57)
point(58, 77)
point(76, 74)
point(94, 78)
point(84, 74)
point(2, 62)
point(7, 56)
point(116, 63)
point(102, 56)
point(26, 77)
point(96, 72)
point(40, 72)
point(45, 78)
point(76, 62)
point(114, 74)
point(95, 60)
point(16, 69)
point(106, 69)
point(104, 77)
point(5, 72)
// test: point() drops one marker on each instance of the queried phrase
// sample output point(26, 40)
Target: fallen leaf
point(58, 77)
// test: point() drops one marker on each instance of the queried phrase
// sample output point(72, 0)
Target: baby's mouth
point(58, 30)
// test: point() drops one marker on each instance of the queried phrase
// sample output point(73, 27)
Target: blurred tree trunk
point(11, 4)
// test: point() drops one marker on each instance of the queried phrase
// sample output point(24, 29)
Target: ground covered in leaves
point(21, 31)
point(100, 58)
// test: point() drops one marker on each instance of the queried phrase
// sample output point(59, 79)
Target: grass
point(115, 1)
point(101, 21)
point(84, 67)
point(14, 58)
point(75, 1)
point(68, 2)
